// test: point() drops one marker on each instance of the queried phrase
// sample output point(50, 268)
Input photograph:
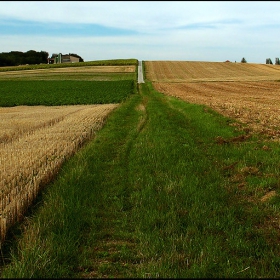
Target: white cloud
point(141, 15)
point(180, 30)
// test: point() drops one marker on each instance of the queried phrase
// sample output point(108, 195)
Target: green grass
point(158, 194)
point(14, 93)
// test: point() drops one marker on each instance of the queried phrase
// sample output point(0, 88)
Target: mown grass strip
point(158, 194)
point(14, 93)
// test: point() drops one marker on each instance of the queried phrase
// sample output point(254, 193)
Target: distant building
point(69, 58)
point(63, 58)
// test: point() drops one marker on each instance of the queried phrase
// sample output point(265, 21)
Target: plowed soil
point(249, 93)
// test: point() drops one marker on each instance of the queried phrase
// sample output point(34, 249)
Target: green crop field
point(40, 92)
point(44, 85)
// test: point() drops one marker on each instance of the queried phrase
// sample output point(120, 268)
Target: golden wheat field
point(34, 142)
point(249, 93)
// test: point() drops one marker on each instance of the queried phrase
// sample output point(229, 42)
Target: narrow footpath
point(140, 73)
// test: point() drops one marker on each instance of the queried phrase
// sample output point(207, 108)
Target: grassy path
point(158, 193)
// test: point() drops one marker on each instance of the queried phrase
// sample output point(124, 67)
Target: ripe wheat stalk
point(31, 157)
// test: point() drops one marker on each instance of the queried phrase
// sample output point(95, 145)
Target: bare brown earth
point(249, 93)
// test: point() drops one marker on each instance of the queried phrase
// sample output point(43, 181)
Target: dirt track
point(249, 93)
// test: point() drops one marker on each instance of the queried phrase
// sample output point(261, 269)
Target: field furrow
point(196, 71)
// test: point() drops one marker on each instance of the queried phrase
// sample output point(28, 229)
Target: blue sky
point(145, 30)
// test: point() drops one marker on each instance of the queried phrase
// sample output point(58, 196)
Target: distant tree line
point(15, 58)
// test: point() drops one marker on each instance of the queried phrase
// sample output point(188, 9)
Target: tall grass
point(166, 189)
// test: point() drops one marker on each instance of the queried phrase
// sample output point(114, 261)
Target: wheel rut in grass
point(112, 249)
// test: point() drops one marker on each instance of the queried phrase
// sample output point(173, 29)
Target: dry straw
point(30, 155)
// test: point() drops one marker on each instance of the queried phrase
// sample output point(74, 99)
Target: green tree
point(17, 58)
point(243, 60)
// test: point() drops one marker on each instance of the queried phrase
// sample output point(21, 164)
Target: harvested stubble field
point(88, 72)
point(249, 93)
point(34, 142)
point(68, 73)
